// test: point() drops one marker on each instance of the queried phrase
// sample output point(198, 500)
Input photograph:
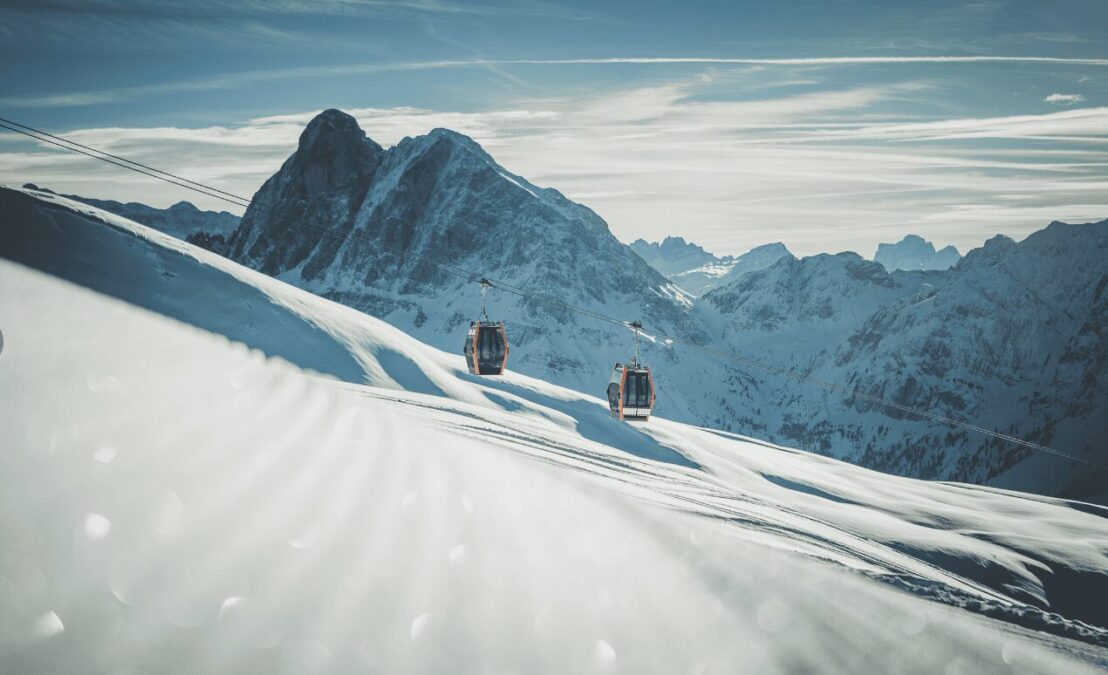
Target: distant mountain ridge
point(915, 253)
point(673, 255)
point(697, 271)
point(182, 220)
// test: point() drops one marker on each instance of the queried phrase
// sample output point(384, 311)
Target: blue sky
point(828, 125)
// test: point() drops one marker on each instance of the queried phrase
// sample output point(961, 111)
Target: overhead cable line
point(468, 275)
point(46, 134)
point(137, 168)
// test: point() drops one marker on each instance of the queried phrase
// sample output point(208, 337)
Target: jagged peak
point(334, 127)
point(773, 246)
point(413, 146)
point(913, 238)
point(1001, 241)
point(909, 241)
point(460, 140)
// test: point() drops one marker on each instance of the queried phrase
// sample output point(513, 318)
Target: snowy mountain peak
point(824, 289)
point(333, 140)
point(913, 252)
point(775, 248)
point(333, 128)
point(992, 249)
point(364, 239)
point(673, 255)
point(458, 138)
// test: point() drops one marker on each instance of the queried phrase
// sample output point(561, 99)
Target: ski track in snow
point(209, 470)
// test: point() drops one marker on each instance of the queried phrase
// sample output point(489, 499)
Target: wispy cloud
point(1064, 99)
point(242, 78)
point(216, 9)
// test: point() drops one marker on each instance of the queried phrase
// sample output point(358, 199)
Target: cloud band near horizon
point(234, 79)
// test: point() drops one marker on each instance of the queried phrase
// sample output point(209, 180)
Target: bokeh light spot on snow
point(48, 625)
point(459, 554)
point(242, 621)
point(97, 526)
point(230, 608)
point(605, 655)
point(125, 574)
point(467, 503)
point(419, 627)
point(105, 453)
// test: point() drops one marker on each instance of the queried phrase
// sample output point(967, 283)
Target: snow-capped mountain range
point(358, 223)
point(915, 253)
point(320, 223)
point(209, 470)
point(182, 220)
point(697, 271)
point(674, 255)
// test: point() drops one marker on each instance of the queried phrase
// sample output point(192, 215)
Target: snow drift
point(209, 470)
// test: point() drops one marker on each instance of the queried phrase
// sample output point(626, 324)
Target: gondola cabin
point(486, 348)
point(631, 392)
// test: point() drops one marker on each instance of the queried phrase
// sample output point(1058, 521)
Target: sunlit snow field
point(205, 470)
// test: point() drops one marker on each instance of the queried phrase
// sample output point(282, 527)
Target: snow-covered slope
point(915, 253)
point(180, 494)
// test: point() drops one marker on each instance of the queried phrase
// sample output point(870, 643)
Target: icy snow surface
point(208, 470)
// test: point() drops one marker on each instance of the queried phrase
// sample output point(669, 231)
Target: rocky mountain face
point(356, 223)
point(1008, 340)
point(1012, 338)
point(674, 255)
point(1003, 339)
point(182, 220)
point(757, 258)
point(915, 253)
